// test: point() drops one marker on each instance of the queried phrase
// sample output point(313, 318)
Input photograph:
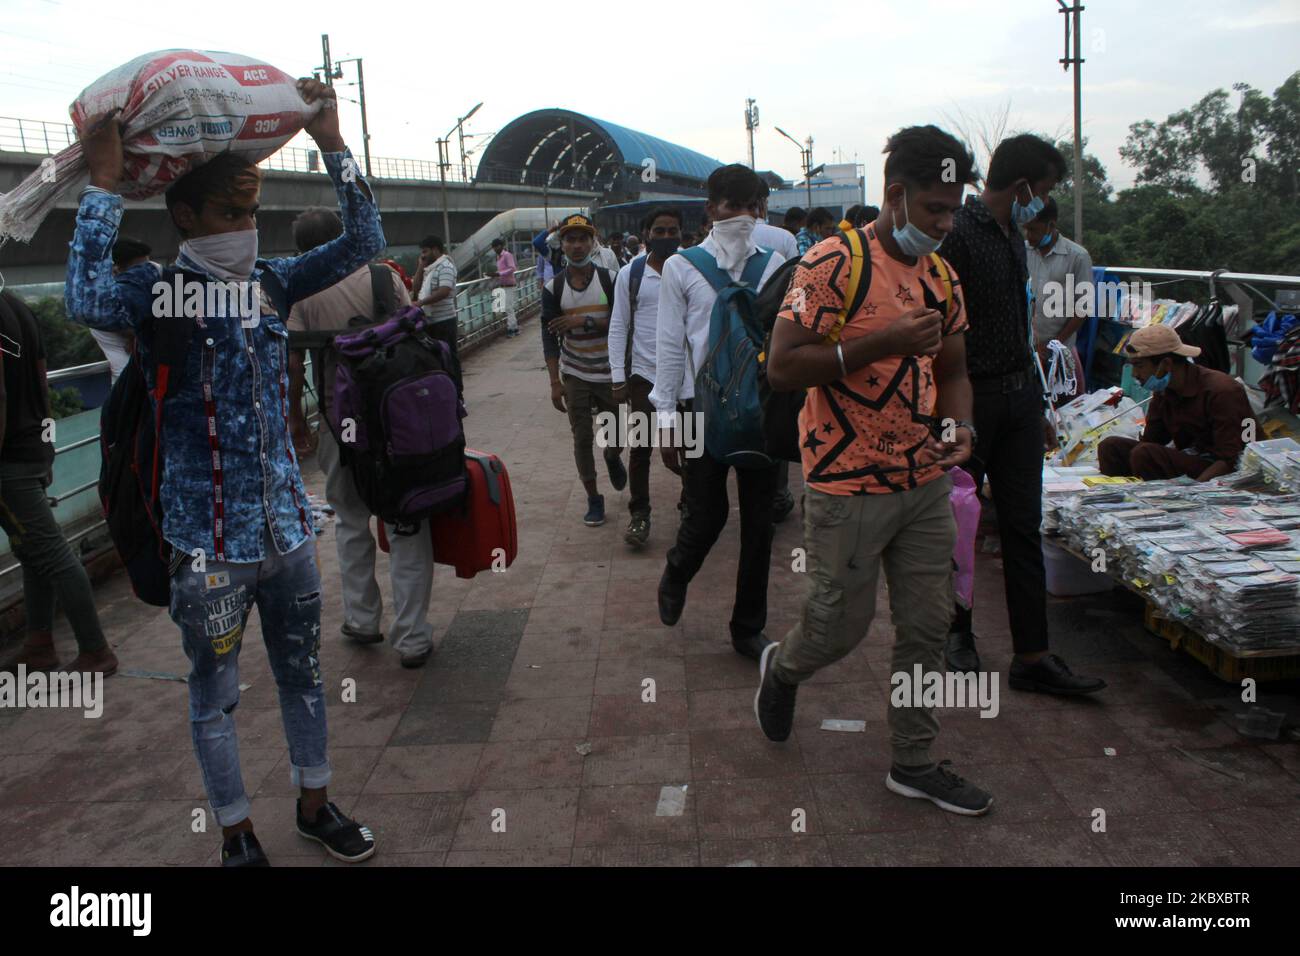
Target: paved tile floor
point(531, 713)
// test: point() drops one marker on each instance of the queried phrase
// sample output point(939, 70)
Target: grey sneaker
point(774, 701)
point(942, 787)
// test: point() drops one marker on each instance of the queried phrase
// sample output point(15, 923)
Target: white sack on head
point(179, 109)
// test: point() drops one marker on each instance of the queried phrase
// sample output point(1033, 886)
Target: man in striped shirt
point(576, 307)
point(435, 290)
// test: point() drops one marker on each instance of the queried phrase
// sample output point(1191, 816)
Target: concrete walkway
point(531, 712)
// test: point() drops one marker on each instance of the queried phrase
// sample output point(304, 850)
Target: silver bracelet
point(839, 354)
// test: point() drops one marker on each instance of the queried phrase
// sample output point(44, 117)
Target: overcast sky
point(849, 72)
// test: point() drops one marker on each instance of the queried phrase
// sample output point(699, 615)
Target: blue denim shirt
point(223, 483)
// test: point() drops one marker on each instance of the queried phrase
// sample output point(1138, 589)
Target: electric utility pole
point(751, 124)
point(1072, 13)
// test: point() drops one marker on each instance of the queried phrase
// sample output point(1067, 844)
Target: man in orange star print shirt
point(887, 411)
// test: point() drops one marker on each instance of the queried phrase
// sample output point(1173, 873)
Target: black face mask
point(663, 248)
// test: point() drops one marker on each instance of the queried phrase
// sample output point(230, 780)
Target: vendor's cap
point(577, 221)
point(1157, 340)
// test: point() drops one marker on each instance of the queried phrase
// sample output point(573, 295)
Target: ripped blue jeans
point(211, 607)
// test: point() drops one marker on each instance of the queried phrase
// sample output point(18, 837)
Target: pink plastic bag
point(966, 510)
point(180, 108)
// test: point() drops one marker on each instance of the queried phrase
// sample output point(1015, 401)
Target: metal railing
point(476, 321)
point(35, 136)
point(42, 136)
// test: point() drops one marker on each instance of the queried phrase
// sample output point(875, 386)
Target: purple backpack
point(396, 412)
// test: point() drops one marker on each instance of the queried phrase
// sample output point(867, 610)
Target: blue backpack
point(726, 385)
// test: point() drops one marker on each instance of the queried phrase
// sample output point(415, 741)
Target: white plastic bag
point(179, 109)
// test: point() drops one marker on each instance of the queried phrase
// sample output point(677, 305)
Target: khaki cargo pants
point(848, 538)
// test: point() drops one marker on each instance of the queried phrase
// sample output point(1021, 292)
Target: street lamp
point(361, 94)
point(805, 158)
point(444, 160)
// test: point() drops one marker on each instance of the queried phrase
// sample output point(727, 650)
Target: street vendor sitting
point(1198, 420)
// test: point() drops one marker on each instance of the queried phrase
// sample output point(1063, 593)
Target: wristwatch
point(974, 435)
point(589, 324)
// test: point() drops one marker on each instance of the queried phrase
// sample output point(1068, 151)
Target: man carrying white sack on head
point(231, 488)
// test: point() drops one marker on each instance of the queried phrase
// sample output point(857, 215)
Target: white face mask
point(733, 239)
point(228, 256)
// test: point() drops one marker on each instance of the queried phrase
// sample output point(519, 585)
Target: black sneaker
point(752, 647)
point(638, 531)
point(774, 701)
point(782, 505)
point(672, 598)
point(345, 839)
point(617, 473)
point(242, 849)
point(1051, 675)
point(942, 787)
point(960, 653)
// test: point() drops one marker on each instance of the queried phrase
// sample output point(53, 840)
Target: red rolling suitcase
point(482, 533)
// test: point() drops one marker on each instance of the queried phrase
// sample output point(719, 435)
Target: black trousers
point(1010, 451)
point(707, 506)
point(639, 456)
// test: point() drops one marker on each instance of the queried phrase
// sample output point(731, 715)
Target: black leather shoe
point(751, 647)
point(242, 849)
point(1050, 675)
point(960, 653)
point(672, 598)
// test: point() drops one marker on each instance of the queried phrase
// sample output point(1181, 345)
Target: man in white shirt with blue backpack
point(686, 299)
point(633, 330)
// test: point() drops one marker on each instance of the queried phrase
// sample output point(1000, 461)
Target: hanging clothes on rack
point(1281, 383)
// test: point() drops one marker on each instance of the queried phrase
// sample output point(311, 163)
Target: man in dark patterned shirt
point(988, 252)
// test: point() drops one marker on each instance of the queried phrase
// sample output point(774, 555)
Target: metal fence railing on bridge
point(77, 450)
point(46, 137)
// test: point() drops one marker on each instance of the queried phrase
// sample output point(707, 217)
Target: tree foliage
point(66, 343)
point(1216, 188)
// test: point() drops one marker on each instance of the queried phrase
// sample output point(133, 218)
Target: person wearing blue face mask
point(1195, 421)
point(987, 249)
point(1060, 272)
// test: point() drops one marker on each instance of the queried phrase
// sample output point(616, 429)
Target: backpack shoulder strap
point(381, 290)
point(945, 276)
point(634, 277)
point(855, 293)
point(557, 284)
point(169, 341)
point(707, 266)
point(755, 266)
point(606, 283)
